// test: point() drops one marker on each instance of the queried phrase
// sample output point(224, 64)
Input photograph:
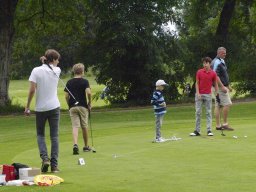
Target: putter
point(222, 133)
point(218, 101)
point(76, 102)
point(93, 149)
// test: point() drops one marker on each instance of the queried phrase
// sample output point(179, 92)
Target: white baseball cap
point(160, 82)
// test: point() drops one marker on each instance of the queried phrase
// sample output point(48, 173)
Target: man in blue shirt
point(223, 102)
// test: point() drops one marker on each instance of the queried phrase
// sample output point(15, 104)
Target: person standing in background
point(79, 105)
point(223, 102)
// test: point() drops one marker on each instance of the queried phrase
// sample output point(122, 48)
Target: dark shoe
point(55, 170)
point(219, 128)
point(45, 165)
point(209, 133)
point(87, 149)
point(195, 133)
point(75, 150)
point(227, 128)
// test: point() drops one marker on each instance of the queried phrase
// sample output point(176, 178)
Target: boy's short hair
point(51, 54)
point(206, 59)
point(78, 68)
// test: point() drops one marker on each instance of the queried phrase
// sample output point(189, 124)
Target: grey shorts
point(224, 99)
point(79, 117)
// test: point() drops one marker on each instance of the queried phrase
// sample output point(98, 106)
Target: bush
point(246, 87)
point(11, 108)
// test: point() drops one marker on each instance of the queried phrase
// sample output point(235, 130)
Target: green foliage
point(47, 24)
point(129, 47)
point(246, 87)
point(197, 34)
point(124, 42)
point(243, 56)
point(11, 108)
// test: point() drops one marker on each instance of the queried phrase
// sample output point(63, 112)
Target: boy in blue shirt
point(159, 108)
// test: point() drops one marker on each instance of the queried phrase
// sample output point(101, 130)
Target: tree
point(224, 21)
point(209, 24)
point(7, 10)
point(47, 24)
point(39, 25)
point(128, 50)
point(243, 71)
point(126, 40)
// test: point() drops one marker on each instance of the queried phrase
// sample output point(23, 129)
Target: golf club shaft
point(222, 133)
point(67, 89)
point(63, 84)
point(90, 126)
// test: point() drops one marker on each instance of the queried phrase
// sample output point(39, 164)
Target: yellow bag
point(47, 180)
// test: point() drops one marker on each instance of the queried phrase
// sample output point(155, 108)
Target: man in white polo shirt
point(44, 82)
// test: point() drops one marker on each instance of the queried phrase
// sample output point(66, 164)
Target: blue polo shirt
point(219, 66)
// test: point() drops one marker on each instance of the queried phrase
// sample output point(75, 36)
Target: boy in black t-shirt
point(78, 97)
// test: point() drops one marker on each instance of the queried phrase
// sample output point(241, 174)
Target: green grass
point(18, 92)
point(127, 160)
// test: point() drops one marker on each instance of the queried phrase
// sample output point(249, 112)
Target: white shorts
point(225, 99)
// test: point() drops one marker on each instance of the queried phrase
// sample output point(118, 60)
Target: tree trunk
point(7, 10)
point(225, 18)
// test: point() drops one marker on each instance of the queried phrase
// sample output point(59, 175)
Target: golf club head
point(93, 150)
point(222, 133)
point(76, 103)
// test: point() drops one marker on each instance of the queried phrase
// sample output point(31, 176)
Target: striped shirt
point(157, 99)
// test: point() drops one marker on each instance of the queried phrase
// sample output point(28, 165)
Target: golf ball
point(235, 137)
point(245, 136)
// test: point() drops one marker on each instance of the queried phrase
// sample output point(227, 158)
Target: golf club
point(93, 149)
point(222, 133)
point(76, 102)
point(218, 101)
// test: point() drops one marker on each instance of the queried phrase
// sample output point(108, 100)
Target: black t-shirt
point(77, 88)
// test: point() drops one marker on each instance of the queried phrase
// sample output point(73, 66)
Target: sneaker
point(160, 140)
point(209, 133)
point(45, 165)
point(55, 170)
point(227, 128)
point(75, 150)
point(87, 149)
point(219, 128)
point(195, 133)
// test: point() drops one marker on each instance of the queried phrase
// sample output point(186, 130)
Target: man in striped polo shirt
point(159, 108)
